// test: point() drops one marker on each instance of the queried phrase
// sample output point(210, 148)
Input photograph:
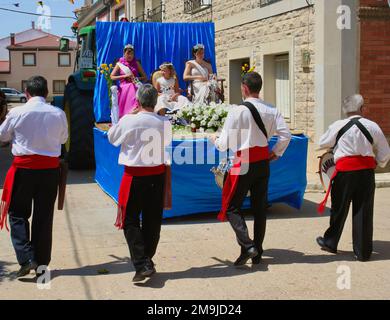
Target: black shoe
point(138, 277)
point(244, 257)
point(148, 270)
point(321, 243)
point(256, 259)
point(26, 268)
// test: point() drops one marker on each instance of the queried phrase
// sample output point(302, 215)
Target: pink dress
point(127, 90)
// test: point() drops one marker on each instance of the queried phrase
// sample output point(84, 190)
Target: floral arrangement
point(205, 117)
point(106, 69)
point(245, 69)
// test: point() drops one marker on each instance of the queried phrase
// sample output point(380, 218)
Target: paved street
point(195, 255)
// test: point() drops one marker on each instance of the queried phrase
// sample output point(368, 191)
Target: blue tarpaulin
point(193, 187)
point(154, 44)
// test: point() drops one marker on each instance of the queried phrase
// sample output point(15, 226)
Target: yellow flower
point(243, 68)
point(104, 65)
point(102, 72)
point(110, 65)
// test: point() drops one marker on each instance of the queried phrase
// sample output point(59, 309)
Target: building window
point(264, 3)
point(59, 86)
point(64, 59)
point(24, 85)
point(29, 60)
point(282, 85)
point(120, 13)
point(3, 84)
point(194, 6)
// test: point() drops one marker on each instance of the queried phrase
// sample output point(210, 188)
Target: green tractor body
point(78, 103)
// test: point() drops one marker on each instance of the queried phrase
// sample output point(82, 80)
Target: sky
point(16, 22)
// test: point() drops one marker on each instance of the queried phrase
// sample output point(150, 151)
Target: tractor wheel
point(78, 107)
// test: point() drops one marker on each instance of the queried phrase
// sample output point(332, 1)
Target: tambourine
point(327, 167)
point(221, 172)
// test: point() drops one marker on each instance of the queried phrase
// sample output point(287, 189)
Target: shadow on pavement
point(118, 266)
point(4, 272)
point(276, 211)
point(223, 268)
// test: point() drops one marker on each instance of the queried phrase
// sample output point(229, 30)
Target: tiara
point(129, 46)
point(199, 46)
point(166, 65)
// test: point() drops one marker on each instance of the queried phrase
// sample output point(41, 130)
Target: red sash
point(34, 162)
point(229, 188)
point(125, 187)
point(352, 163)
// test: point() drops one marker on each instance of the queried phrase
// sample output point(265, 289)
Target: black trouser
point(146, 197)
point(255, 181)
point(357, 187)
point(40, 187)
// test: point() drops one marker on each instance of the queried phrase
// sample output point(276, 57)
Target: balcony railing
point(140, 18)
point(194, 6)
point(264, 3)
point(156, 14)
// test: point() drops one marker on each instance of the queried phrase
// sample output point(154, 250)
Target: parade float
point(194, 187)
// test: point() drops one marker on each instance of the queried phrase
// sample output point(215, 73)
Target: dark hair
point(195, 50)
point(253, 81)
point(37, 86)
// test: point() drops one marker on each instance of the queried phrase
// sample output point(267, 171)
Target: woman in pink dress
point(130, 74)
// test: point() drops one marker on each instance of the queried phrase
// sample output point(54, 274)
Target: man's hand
point(212, 138)
point(273, 156)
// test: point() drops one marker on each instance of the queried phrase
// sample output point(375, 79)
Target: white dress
point(202, 89)
point(167, 88)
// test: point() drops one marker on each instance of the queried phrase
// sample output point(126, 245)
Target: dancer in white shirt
point(353, 141)
point(143, 138)
point(246, 132)
point(37, 130)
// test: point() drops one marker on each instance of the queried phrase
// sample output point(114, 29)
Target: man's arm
point(328, 139)
point(383, 149)
point(284, 137)
point(222, 143)
point(115, 134)
point(7, 129)
point(64, 133)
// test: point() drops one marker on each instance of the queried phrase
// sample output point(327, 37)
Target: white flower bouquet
point(205, 117)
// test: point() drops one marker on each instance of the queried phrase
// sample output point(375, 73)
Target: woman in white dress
point(201, 74)
point(169, 97)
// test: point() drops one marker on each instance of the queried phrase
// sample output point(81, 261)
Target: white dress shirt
point(35, 128)
point(143, 138)
point(241, 132)
point(354, 143)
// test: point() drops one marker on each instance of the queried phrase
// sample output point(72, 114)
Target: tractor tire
point(79, 150)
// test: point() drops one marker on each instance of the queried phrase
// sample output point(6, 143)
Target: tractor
point(77, 101)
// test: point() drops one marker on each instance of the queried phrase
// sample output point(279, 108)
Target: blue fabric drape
point(154, 44)
point(193, 186)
